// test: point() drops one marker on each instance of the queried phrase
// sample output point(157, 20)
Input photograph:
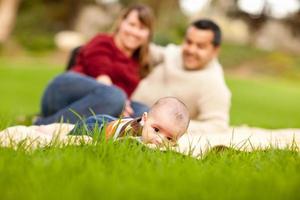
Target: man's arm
point(156, 54)
point(214, 108)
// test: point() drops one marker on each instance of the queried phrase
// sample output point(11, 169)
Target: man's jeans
point(71, 93)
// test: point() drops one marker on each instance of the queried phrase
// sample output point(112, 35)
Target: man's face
point(197, 49)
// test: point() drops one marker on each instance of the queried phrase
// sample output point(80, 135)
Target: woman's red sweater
point(102, 57)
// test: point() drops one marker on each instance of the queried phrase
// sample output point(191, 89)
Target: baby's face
point(161, 130)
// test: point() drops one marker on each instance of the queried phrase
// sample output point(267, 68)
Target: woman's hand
point(104, 79)
point(128, 111)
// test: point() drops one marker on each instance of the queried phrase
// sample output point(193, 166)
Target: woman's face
point(132, 33)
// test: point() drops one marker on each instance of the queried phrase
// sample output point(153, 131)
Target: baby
point(166, 121)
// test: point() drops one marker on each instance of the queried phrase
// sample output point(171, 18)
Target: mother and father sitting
point(122, 73)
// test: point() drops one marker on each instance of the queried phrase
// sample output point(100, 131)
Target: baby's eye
point(169, 138)
point(156, 129)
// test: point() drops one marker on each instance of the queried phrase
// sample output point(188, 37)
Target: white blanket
point(32, 137)
point(194, 143)
point(240, 138)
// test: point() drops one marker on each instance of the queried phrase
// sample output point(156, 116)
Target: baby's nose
point(156, 140)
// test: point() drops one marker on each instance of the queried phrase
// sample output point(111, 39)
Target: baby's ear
point(144, 116)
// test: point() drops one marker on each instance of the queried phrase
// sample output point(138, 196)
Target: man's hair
point(207, 24)
point(174, 107)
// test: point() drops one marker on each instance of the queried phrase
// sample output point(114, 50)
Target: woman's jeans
point(71, 96)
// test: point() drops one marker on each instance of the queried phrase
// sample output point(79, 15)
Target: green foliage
point(253, 61)
point(39, 20)
point(33, 30)
point(171, 32)
point(233, 55)
point(37, 43)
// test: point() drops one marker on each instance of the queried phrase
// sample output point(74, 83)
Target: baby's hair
point(175, 107)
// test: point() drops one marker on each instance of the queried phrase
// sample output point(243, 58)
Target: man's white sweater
point(204, 91)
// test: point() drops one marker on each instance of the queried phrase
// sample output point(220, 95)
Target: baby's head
point(166, 121)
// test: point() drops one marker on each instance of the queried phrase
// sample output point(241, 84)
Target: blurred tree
point(293, 21)
point(254, 22)
point(265, 29)
point(8, 12)
point(157, 5)
point(39, 20)
point(64, 12)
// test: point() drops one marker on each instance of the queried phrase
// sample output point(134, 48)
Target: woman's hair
point(146, 17)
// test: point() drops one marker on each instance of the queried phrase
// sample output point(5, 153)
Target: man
point(192, 73)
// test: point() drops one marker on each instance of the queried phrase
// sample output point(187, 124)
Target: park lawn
point(22, 83)
point(265, 102)
point(129, 171)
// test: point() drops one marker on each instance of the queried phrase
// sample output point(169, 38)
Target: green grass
point(22, 84)
point(130, 171)
point(265, 102)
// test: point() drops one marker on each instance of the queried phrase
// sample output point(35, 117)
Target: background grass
point(263, 101)
point(130, 171)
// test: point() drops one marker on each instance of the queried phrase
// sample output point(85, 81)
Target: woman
point(106, 72)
